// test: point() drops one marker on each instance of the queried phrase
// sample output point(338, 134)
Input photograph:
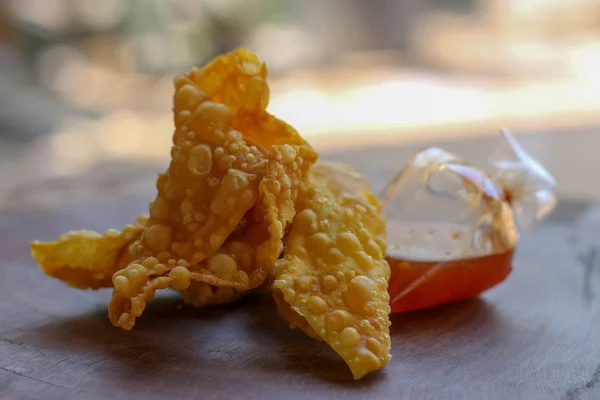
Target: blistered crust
point(233, 178)
point(87, 259)
point(200, 294)
point(333, 273)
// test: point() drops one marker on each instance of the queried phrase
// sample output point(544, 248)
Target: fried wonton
point(229, 192)
point(332, 281)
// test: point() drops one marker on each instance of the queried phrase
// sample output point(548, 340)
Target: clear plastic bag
point(451, 225)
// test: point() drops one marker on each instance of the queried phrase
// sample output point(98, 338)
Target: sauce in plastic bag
point(451, 225)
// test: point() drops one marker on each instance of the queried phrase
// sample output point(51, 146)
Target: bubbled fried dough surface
point(200, 294)
point(87, 259)
point(247, 257)
point(333, 273)
point(222, 185)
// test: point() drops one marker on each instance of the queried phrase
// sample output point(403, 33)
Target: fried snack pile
point(224, 208)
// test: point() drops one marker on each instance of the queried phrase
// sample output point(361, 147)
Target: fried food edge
point(86, 259)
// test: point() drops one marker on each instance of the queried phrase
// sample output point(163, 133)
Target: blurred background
point(86, 85)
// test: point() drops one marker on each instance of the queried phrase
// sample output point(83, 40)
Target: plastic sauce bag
point(451, 225)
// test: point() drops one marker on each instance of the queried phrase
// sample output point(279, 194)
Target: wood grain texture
point(534, 337)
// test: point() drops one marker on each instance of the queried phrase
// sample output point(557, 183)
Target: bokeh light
point(83, 81)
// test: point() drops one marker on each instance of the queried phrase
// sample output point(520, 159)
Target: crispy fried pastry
point(332, 281)
point(233, 179)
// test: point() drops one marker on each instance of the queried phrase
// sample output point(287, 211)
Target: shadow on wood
point(247, 338)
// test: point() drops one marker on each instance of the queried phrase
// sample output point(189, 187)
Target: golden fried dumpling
point(233, 177)
point(332, 280)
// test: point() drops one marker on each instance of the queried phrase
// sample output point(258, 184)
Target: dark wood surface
point(537, 336)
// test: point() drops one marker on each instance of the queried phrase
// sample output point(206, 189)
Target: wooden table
point(537, 336)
